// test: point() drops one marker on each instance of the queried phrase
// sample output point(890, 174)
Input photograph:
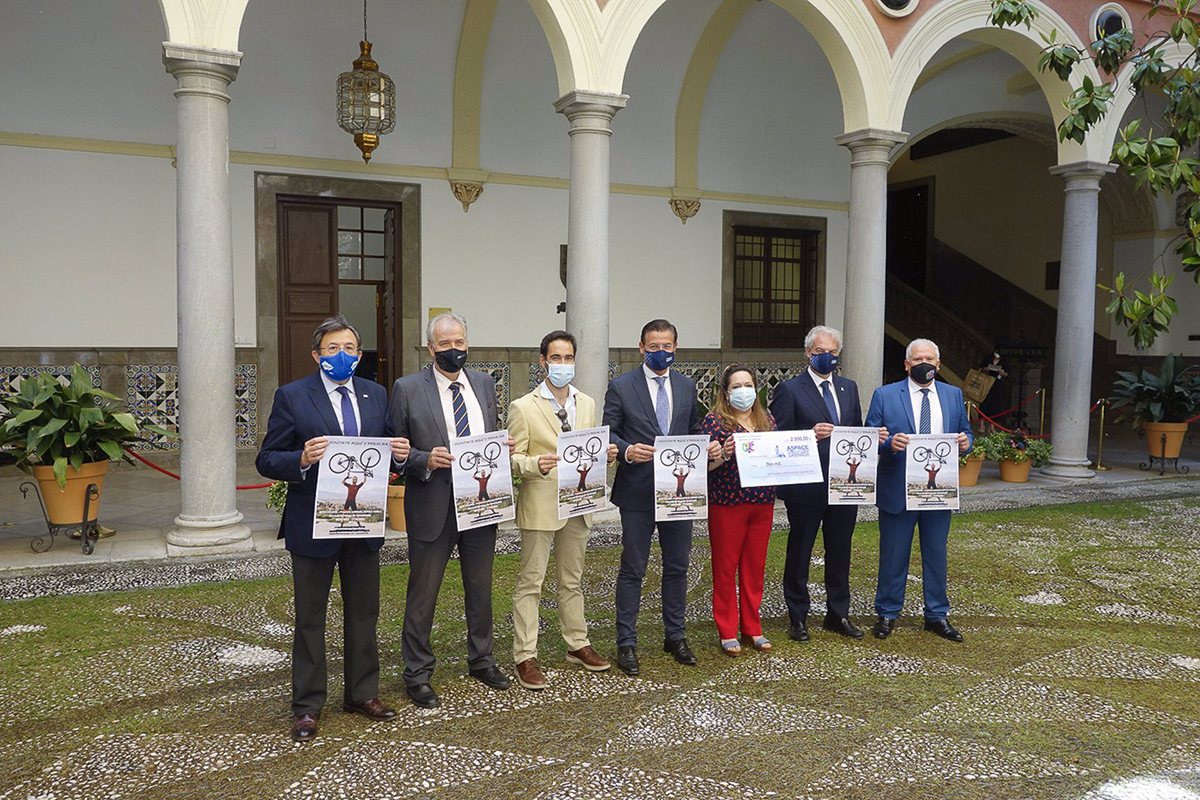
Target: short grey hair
point(332, 325)
point(445, 316)
point(819, 330)
point(919, 342)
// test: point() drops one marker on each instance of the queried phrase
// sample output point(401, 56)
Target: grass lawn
point(1079, 676)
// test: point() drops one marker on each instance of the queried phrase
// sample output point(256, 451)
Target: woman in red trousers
point(739, 520)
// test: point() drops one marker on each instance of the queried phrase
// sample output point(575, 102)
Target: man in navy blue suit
point(650, 401)
point(917, 404)
point(331, 402)
point(818, 400)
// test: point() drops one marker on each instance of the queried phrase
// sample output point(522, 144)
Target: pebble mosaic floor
point(1079, 680)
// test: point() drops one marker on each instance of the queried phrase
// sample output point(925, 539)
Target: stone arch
point(204, 23)
point(848, 38)
point(968, 19)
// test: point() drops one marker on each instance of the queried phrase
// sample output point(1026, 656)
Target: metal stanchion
point(1042, 413)
point(1100, 466)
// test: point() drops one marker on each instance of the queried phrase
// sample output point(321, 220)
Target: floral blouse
point(724, 484)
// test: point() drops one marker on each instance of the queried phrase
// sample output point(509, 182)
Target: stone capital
point(871, 145)
point(201, 70)
point(590, 112)
point(1082, 176)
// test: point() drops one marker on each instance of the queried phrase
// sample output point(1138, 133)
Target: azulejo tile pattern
point(11, 375)
point(499, 371)
point(706, 375)
point(772, 373)
point(152, 393)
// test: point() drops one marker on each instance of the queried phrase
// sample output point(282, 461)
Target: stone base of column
point(1068, 469)
point(203, 537)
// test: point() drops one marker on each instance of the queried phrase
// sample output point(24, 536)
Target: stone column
point(209, 521)
point(866, 256)
point(590, 115)
point(1072, 389)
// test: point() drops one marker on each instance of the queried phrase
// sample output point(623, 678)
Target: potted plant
point(971, 462)
point(1161, 404)
point(1017, 453)
point(395, 501)
point(65, 435)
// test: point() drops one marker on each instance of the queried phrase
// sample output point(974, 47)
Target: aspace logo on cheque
point(798, 450)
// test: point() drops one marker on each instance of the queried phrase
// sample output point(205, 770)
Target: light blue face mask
point(742, 397)
point(560, 374)
point(340, 366)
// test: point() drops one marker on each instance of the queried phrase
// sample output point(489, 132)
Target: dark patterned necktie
point(662, 408)
point(827, 393)
point(349, 423)
point(926, 413)
point(462, 427)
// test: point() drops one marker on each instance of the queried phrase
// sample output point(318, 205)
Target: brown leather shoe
point(372, 709)
point(304, 728)
point(586, 657)
point(529, 675)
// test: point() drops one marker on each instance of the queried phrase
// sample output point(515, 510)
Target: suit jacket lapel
point(679, 414)
point(477, 383)
point(320, 399)
point(435, 405)
point(948, 425)
point(809, 390)
point(547, 409)
point(367, 418)
point(906, 402)
point(585, 411)
point(642, 390)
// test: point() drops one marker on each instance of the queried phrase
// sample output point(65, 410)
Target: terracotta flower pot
point(1175, 431)
point(968, 475)
point(65, 506)
point(1015, 471)
point(395, 508)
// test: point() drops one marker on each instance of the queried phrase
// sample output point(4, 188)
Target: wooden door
point(308, 281)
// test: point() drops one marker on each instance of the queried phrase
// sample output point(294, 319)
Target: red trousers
point(738, 536)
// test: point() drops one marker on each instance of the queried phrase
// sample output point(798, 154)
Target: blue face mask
point(560, 374)
point(823, 363)
point(742, 397)
point(339, 367)
point(658, 360)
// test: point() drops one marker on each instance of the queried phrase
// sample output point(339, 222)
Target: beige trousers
point(570, 544)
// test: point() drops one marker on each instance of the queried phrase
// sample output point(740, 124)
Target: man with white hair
point(818, 401)
point(441, 402)
point(917, 404)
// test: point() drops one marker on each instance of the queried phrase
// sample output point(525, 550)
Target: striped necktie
point(926, 413)
point(462, 426)
point(662, 406)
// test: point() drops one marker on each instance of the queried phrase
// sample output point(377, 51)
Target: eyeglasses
point(562, 417)
point(334, 349)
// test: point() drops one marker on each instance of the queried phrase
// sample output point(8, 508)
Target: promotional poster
point(680, 478)
point(853, 459)
point(931, 472)
point(483, 487)
point(352, 477)
point(582, 488)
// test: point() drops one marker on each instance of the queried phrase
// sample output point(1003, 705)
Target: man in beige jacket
point(535, 421)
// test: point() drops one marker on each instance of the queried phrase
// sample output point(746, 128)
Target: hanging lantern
point(366, 99)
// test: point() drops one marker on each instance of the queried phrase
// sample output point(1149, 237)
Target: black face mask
point(922, 373)
point(451, 360)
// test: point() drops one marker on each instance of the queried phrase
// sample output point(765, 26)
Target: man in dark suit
point(918, 404)
point(647, 402)
point(818, 400)
point(328, 403)
point(442, 401)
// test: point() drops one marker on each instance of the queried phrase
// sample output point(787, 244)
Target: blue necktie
point(926, 413)
point(827, 393)
point(462, 426)
point(349, 423)
point(662, 406)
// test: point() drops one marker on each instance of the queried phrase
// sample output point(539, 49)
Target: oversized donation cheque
point(483, 487)
point(680, 478)
point(352, 480)
point(582, 484)
point(775, 458)
point(931, 472)
point(853, 458)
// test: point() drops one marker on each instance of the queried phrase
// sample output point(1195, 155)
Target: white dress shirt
point(818, 380)
point(570, 406)
point(652, 384)
point(935, 406)
point(474, 412)
point(335, 400)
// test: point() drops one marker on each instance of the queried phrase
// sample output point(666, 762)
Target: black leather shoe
point(843, 626)
point(423, 696)
point(490, 676)
point(944, 629)
point(799, 632)
point(627, 660)
point(883, 627)
point(304, 728)
point(679, 650)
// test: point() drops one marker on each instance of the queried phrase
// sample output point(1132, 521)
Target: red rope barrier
point(168, 472)
point(1193, 419)
point(1010, 430)
point(1018, 405)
